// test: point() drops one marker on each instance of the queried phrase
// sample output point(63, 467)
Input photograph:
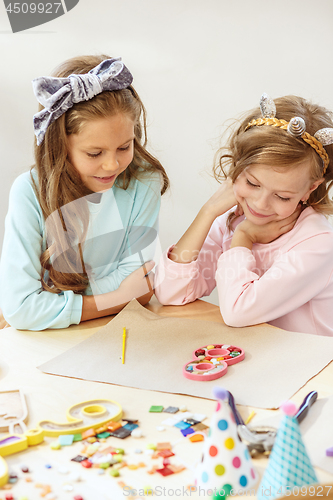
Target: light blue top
point(122, 235)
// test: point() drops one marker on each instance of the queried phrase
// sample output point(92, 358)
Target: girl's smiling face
point(102, 150)
point(267, 194)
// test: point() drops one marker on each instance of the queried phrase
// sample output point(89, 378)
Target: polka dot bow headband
point(296, 127)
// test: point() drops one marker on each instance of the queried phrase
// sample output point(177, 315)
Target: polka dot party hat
point(226, 465)
point(289, 465)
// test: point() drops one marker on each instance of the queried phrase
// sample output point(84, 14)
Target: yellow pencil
point(250, 417)
point(124, 342)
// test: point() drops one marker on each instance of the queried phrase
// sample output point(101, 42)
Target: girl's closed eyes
point(93, 155)
point(256, 186)
point(250, 183)
point(122, 148)
point(125, 148)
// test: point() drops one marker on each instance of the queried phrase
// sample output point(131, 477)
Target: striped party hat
point(226, 466)
point(289, 466)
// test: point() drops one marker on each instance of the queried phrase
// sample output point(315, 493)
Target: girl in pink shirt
point(263, 238)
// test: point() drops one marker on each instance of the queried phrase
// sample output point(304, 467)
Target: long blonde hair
point(272, 146)
point(59, 183)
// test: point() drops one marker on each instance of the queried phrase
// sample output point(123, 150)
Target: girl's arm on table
point(137, 285)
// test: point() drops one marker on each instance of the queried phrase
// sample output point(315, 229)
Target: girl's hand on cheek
point(267, 232)
point(188, 247)
point(222, 200)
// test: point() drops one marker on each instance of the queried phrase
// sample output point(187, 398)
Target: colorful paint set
point(211, 361)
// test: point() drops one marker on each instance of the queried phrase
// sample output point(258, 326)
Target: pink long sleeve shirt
point(287, 283)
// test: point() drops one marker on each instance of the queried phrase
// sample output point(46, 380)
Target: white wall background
point(196, 64)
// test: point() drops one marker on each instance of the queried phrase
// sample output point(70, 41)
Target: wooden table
point(48, 397)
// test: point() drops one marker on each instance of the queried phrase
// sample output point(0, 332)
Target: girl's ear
point(312, 188)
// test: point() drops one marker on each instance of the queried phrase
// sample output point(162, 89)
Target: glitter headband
point(296, 127)
point(57, 95)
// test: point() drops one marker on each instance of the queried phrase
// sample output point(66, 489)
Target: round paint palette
point(211, 361)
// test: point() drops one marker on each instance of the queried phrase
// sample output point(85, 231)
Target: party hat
point(226, 466)
point(289, 464)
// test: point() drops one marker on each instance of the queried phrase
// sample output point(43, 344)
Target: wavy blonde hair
point(267, 145)
point(59, 183)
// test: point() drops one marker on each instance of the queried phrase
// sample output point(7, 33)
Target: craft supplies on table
point(211, 361)
point(96, 452)
point(13, 414)
point(83, 416)
point(260, 439)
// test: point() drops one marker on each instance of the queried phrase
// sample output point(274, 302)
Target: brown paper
point(276, 365)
